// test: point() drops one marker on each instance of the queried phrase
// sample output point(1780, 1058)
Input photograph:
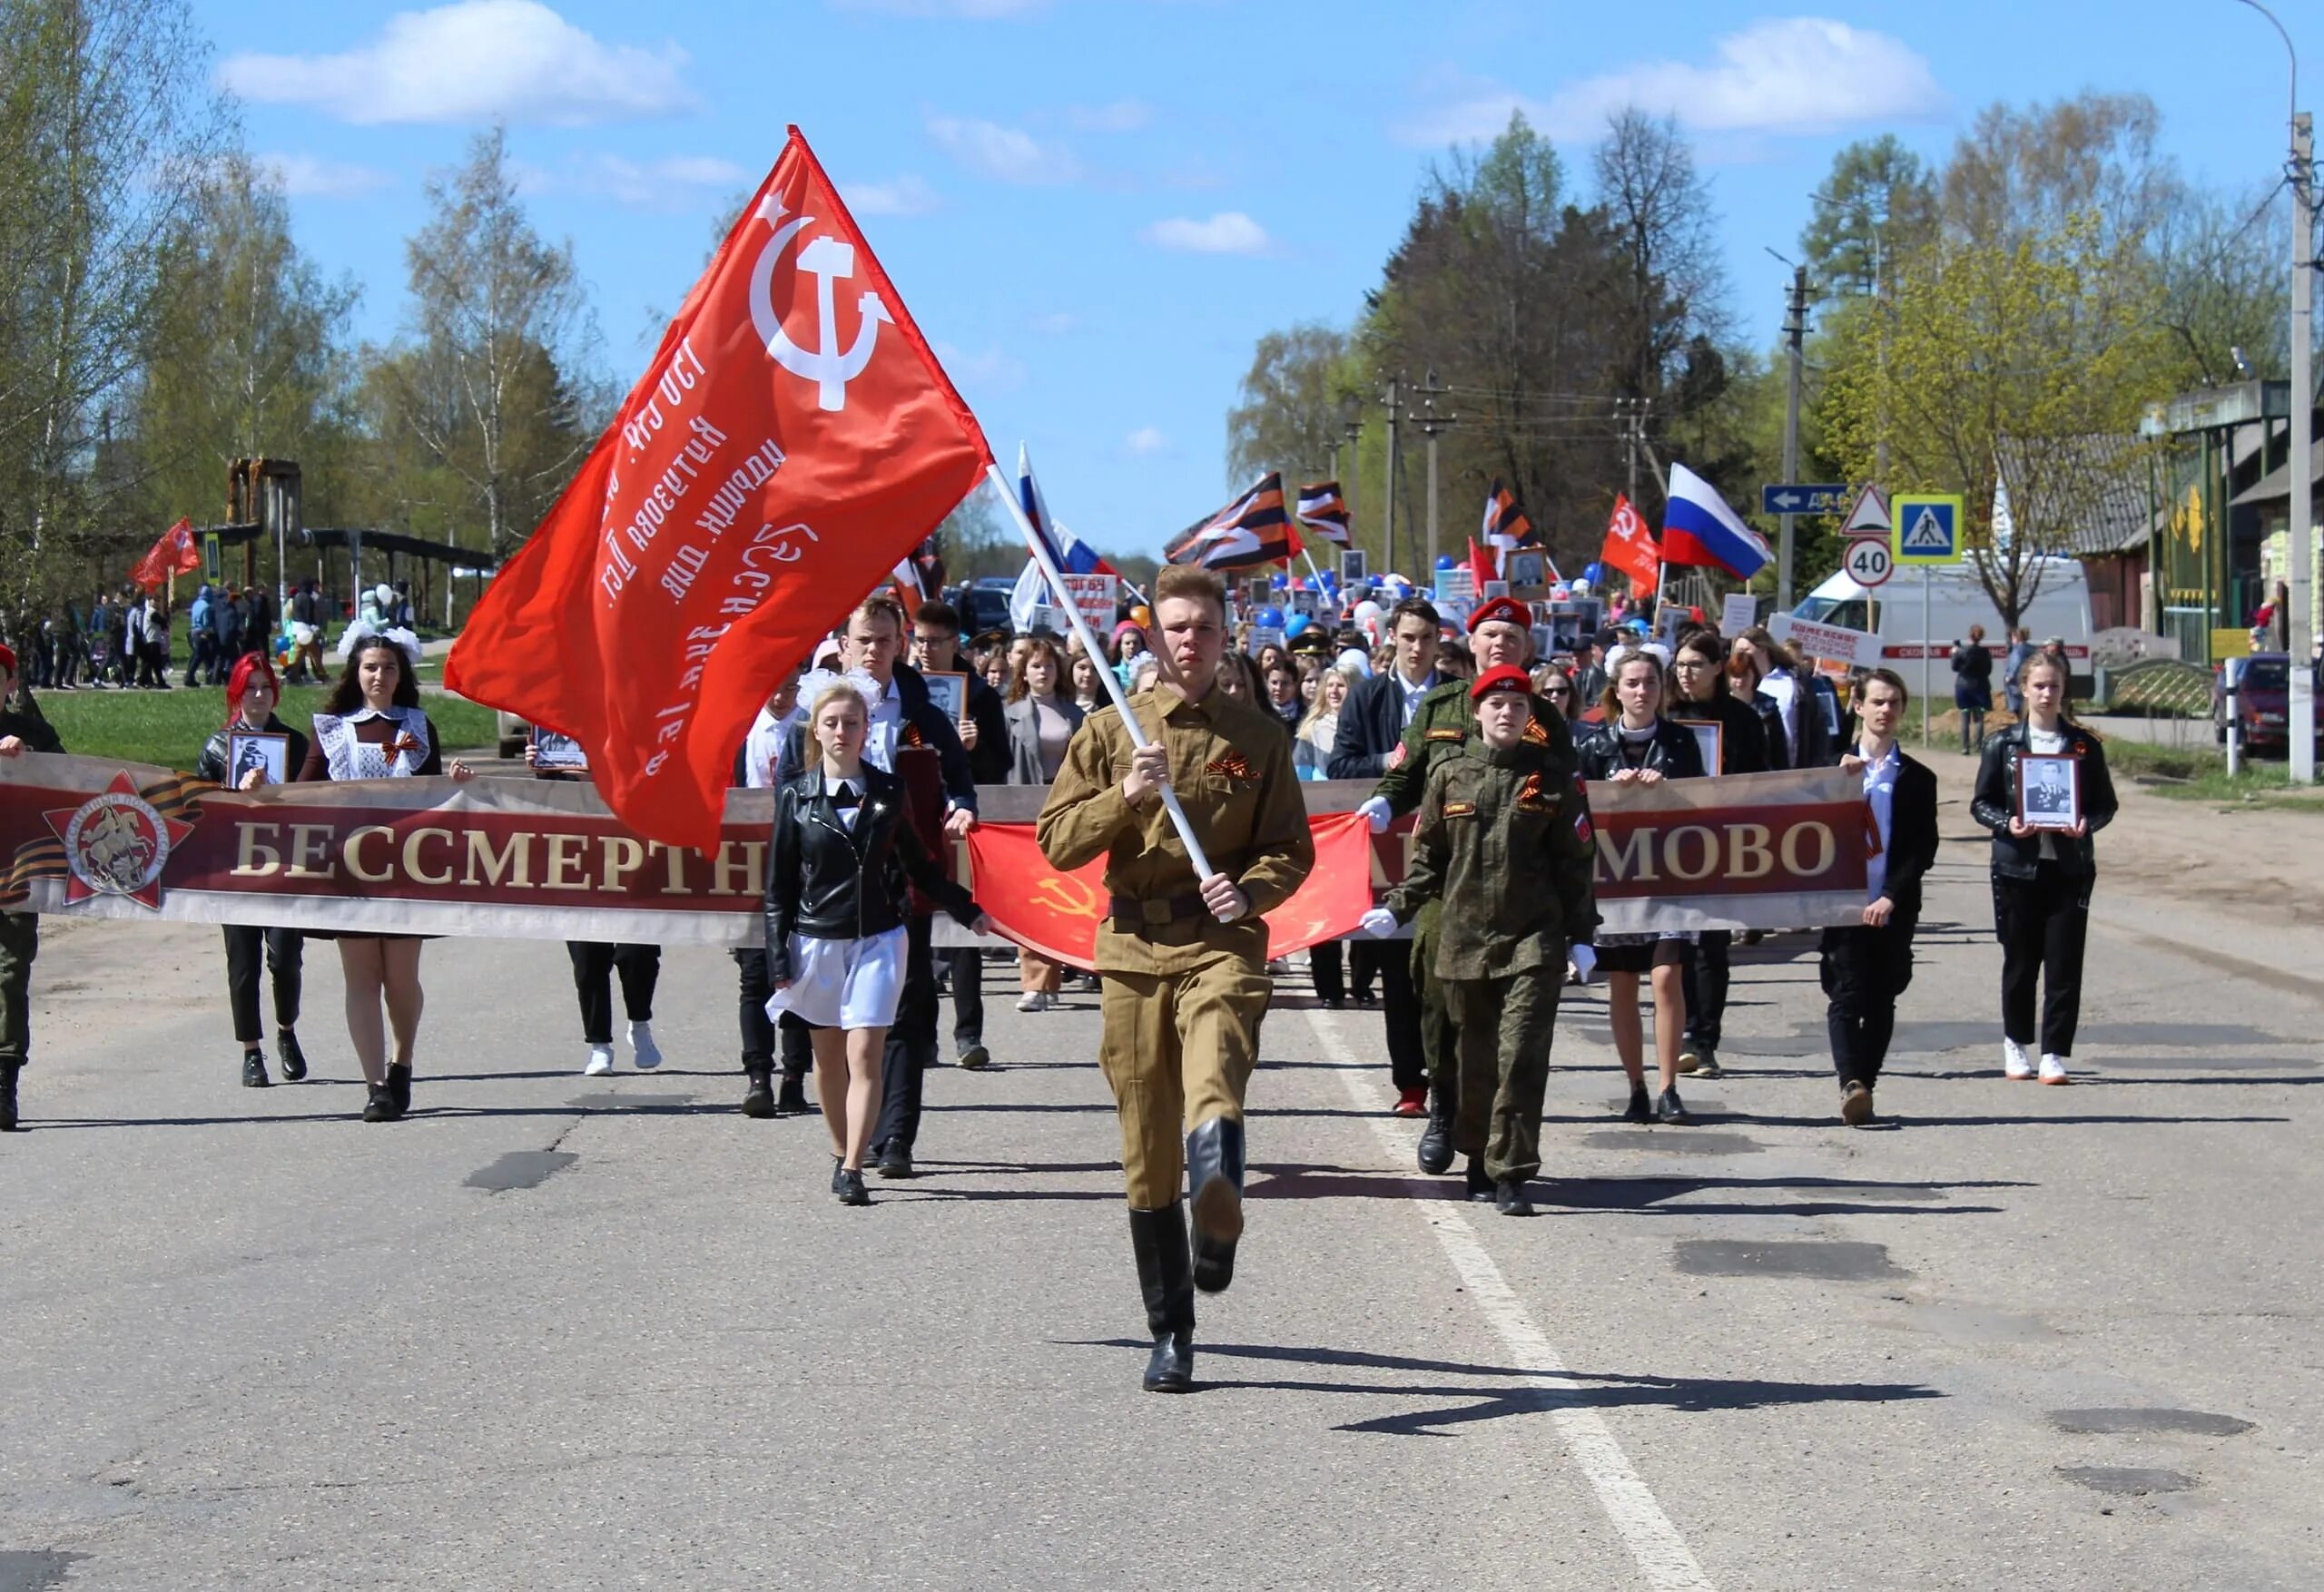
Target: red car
point(2261, 700)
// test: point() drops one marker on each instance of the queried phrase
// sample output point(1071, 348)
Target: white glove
point(1375, 813)
point(1584, 957)
point(1379, 923)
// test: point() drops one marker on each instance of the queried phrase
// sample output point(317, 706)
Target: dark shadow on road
point(1816, 1196)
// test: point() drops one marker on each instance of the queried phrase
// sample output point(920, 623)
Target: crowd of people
point(876, 773)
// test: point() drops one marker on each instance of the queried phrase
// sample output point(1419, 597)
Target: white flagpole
point(1138, 734)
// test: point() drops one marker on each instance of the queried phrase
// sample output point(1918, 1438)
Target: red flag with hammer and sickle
point(1630, 548)
point(792, 442)
point(177, 552)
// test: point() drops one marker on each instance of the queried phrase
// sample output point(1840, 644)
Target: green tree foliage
point(107, 130)
point(1878, 204)
point(1290, 417)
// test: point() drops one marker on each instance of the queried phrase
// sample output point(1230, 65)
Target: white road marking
point(1662, 1555)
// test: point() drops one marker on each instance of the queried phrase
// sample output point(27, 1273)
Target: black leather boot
point(791, 1100)
point(1215, 1173)
point(1436, 1138)
point(1165, 1277)
point(758, 1090)
point(400, 1087)
point(8, 1071)
point(294, 1060)
point(379, 1105)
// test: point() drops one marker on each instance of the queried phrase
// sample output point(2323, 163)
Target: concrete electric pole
point(2299, 699)
point(1795, 329)
point(1432, 425)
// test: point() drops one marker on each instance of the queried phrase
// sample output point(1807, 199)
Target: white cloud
point(1147, 439)
point(988, 371)
point(311, 177)
point(1783, 74)
point(674, 183)
point(1005, 154)
point(1230, 232)
point(1121, 116)
point(906, 196)
point(473, 61)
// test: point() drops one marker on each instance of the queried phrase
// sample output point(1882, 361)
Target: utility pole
point(1431, 424)
point(1795, 329)
point(1352, 427)
point(2299, 699)
point(1388, 482)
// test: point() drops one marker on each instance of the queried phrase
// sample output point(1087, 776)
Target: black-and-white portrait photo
point(269, 754)
point(553, 751)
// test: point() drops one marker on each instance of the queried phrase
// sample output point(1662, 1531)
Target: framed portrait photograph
point(1353, 571)
point(250, 748)
point(949, 693)
point(1528, 575)
point(1710, 738)
point(2049, 791)
point(553, 751)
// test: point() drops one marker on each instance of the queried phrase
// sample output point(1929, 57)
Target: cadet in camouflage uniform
point(1501, 634)
point(1504, 844)
point(22, 729)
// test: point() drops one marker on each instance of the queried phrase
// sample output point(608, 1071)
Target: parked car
point(983, 604)
point(2262, 700)
point(512, 732)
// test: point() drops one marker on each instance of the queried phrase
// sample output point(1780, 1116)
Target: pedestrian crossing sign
point(1927, 528)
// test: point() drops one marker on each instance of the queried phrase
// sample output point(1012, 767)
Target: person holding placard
point(1041, 722)
point(1867, 966)
point(2043, 791)
point(1700, 696)
point(597, 963)
point(251, 737)
point(985, 737)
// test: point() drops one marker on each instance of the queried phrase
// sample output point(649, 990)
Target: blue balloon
point(1595, 574)
point(1444, 561)
point(1270, 618)
point(1279, 580)
point(1297, 627)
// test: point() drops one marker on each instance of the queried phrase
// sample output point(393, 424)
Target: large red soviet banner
point(793, 440)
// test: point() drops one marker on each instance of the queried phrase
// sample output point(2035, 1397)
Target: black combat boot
point(758, 1089)
point(1215, 1173)
point(8, 1071)
point(294, 1060)
point(1436, 1138)
point(1479, 1180)
point(400, 1087)
point(1158, 1238)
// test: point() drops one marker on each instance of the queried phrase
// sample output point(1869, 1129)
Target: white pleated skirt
point(843, 983)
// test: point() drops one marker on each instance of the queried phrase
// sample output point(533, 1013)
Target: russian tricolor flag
point(1073, 555)
point(1699, 528)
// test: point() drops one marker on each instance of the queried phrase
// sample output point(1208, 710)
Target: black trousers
point(1864, 971)
point(1365, 957)
point(285, 948)
point(1400, 1007)
point(594, 964)
point(968, 997)
point(911, 1043)
point(1706, 977)
point(758, 1030)
point(1330, 971)
point(2043, 924)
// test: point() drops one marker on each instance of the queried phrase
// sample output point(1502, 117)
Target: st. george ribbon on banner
point(792, 441)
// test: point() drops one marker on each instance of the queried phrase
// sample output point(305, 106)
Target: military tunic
point(1504, 844)
point(1183, 993)
point(1442, 724)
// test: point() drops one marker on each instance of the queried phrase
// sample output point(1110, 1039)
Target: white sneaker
point(641, 1040)
point(2053, 1071)
point(1033, 1000)
point(2014, 1062)
point(601, 1061)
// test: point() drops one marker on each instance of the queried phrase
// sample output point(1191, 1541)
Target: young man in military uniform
point(1184, 957)
point(1504, 845)
point(21, 729)
point(1501, 635)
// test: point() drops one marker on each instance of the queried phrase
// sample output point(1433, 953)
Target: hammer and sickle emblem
point(1068, 898)
point(827, 261)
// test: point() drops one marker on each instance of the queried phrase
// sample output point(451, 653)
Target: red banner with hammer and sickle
point(1055, 913)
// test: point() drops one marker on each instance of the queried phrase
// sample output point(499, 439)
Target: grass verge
point(168, 728)
point(2202, 776)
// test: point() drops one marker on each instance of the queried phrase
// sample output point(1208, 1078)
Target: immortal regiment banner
point(537, 860)
point(792, 439)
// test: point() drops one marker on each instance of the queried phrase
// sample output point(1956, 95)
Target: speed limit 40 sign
point(1869, 562)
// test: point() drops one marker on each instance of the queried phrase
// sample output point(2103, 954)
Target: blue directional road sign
point(1802, 499)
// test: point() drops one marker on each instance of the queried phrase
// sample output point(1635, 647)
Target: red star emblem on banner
point(116, 843)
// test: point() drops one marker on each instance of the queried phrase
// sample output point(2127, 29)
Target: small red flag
point(794, 440)
point(1630, 548)
point(177, 552)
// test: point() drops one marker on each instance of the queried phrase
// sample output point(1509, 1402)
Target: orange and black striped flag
point(1506, 525)
point(1250, 531)
point(1323, 511)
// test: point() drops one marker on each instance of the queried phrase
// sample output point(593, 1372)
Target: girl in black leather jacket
point(1637, 743)
point(250, 695)
point(1698, 690)
point(2041, 878)
point(843, 854)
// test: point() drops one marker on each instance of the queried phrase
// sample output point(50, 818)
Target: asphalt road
point(563, 1332)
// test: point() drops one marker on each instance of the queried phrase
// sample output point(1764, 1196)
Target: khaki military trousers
point(1177, 1050)
point(1506, 1024)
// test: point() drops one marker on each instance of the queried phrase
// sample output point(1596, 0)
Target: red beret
point(8, 659)
point(1502, 677)
point(1507, 610)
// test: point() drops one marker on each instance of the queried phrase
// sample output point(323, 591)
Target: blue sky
point(1094, 207)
